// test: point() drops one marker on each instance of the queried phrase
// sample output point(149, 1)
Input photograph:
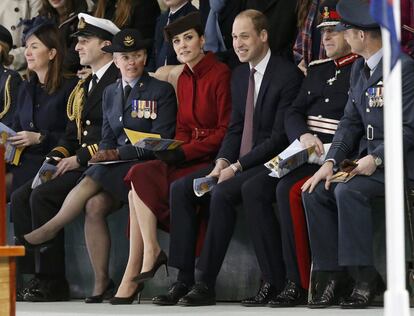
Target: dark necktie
point(127, 91)
point(247, 137)
point(367, 71)
point(94, 83)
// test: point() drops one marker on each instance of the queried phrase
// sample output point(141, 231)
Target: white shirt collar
point(131, 83)
point(102, 70)
point(261, 66)
point(374, 60)
point(173, 12)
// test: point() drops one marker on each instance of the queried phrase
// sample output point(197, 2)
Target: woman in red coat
point(203, 115)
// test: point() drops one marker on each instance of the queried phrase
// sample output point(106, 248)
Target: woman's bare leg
point(97, 237)
point(133, 268)
point(148, 224)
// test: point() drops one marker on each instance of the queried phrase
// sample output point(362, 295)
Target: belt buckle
point(370, 132)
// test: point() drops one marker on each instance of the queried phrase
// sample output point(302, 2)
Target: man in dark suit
point(163, 52)
point(339, 214)
point(32, 208)
point(262, 89)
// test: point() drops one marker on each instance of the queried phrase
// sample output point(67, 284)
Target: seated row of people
point(270, 107)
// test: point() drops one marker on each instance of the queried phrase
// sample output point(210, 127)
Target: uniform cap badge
point(81, 24)
point(129, 41)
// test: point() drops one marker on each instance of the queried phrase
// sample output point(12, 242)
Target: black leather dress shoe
point(292, 295)
point(32, 284)
point(105, 295)
point(200, 295)
point(362, 295)
point(175, 292)
point(264, 295)
point(50, 290)
point(326, 294)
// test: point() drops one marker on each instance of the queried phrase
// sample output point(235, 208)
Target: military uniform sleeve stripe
point(62, 150)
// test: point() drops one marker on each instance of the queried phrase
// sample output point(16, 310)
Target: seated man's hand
point(325, 172)
point(66, 164)
point(170, 157)
point(105, 155)
point(366, 166)
point(220, 165)
point(309, 140)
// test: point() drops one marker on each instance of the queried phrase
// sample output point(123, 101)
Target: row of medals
point(375, 97)
point(144, 109)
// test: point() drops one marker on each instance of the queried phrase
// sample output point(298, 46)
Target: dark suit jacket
point(280, 85)
point(116, 116)
point(91, 122)
point(161, 48)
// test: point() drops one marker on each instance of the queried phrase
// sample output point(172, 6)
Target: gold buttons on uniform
point(84, 145)
point(88, 122)
point(85, 133)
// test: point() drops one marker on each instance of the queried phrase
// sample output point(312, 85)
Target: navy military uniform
point(150, 107)
point(33, 208)
point(339, 220)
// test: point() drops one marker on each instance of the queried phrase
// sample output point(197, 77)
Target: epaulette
point(346, 60)
point(319, 62)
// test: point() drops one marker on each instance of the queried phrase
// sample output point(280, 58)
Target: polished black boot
point(363, 293)
point(264, 295)
point(175, 293)
point(49, 290)
point(32, 284)
point(329, 287)
point(292, 295)
point(200, 295)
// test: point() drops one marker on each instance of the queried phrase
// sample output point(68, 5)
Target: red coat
point(204, 107)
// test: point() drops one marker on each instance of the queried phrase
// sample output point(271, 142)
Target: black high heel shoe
point(162, 259)
point(128, 300)
point(106, 294)
point(20, 240)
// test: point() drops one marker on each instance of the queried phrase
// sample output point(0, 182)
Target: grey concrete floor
point(146, 308)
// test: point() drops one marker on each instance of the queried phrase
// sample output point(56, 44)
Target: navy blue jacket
point(15, 81)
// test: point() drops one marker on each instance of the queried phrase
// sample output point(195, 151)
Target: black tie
point(367, 71)
point(94, 83)
point(127, 91)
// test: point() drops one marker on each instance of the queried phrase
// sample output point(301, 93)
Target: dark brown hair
point(49, 36)
point(122, 12)
point(5, 58)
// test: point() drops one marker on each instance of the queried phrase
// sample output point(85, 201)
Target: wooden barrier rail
point(7, 253)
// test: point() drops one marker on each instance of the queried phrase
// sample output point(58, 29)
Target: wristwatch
point(377, 160)
point(234, 168)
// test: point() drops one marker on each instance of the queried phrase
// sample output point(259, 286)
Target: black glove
point(171, 157)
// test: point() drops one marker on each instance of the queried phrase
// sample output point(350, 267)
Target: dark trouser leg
point(45, 202)
point(322, 216)
point(22, 222)
point(224, 199)
point(184, 224)
point(287, 226)
point(354, 218)
point(258, 198)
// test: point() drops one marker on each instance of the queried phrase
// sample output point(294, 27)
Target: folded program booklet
point(45, 173)
point(293, 157)
point(158, 144)
point(11, 154)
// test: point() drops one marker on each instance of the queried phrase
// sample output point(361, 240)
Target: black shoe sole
point(196, 304)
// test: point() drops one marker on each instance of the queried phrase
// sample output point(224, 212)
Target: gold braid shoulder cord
point(75, 106)
point(7, 98)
